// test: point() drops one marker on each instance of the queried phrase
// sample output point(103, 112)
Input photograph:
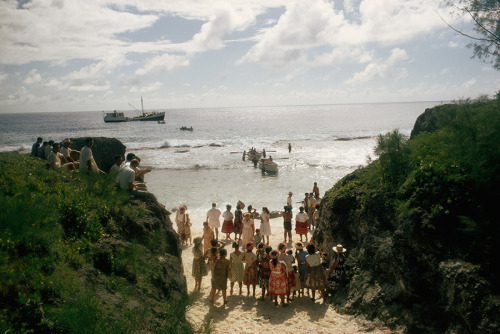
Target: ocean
point(204, 166)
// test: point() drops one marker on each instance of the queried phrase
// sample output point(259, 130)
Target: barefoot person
point(250, 274)
point(288, 260)
point(315, 274)
point(228, 226)
point(247, 234)
point(265, 271)
point(237, 268)
point(238, 217)
point(221, 271)
point(301, 225)
point(208, 235)
point(287, 223)
point(199, 267)
point(278, 285)
point(265, 226)
point(213, 219)
point(300, 257)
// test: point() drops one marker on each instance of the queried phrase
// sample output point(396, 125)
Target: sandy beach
point(245, 314)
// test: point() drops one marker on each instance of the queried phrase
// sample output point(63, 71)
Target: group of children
point(272, 269)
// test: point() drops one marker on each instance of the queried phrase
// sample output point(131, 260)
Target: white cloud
point(165, 62)
point(147, 88)
point(470, 83)
point(389, 67)
point(33, 77)
point(3, 76)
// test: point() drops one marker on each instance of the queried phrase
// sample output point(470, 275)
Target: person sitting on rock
point(126, 177)
point(69, 154)
point(36, 146)
point(56, 160)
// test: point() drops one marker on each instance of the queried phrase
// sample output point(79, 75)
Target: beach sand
point(245, 314)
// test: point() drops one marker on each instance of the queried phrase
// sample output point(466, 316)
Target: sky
point(92, 55)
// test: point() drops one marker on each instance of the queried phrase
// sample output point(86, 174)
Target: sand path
point(245, 314)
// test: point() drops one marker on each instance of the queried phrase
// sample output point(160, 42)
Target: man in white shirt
point(213, 219)
point(115, 169)
point(87, 163)
point(69, 154)
point(126, 177)
point(56, 160)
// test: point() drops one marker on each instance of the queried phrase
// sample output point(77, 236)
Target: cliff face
point(401, 273)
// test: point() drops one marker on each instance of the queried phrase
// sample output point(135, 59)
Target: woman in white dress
point(265, 226)
point(247, 232)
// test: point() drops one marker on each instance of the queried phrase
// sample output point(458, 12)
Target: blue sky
point(65, 55)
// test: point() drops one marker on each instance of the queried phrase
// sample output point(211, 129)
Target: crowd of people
point(279, 272)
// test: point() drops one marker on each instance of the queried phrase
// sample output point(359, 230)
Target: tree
point(393, 156)
point(485, 37)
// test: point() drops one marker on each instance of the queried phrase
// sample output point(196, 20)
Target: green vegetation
point(63, 252)
point(446, 179)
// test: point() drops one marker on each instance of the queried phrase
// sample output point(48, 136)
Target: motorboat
point(115, 116)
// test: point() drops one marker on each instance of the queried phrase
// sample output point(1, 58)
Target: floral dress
point(199, 267)
point(265, 271)
point(278, 284)
point(237, 267)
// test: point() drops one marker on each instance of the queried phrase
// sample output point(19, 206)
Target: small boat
point(115, 116)
point(161, 122)
point(253, 155)
point(185, 128)
point(268, 165)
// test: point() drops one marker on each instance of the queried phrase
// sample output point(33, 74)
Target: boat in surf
point(268, 166)
point(115, 116)
point(185, 128)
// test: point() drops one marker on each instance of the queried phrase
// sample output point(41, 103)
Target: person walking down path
point(228, 225)
point(213, 219)
point(265, 226)
point(199, 267)
point(181, 221)
point(221, 271)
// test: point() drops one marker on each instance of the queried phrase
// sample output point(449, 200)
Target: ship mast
point(142, 104)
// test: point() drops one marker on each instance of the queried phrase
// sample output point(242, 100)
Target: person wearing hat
point(336, 273)
point(289, 199)
point(68, 153)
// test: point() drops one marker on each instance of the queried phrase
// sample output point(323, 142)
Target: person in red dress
point(278, 284)
point(301, 223)
point(228, 226)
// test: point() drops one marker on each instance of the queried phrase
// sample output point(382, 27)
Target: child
point(187, 229)
point(211, 254)
point(300, 256)
point(257, 237)
point(297, 288)
point(236, 258)
point(199, 267)
point(265, 271)
point(208, 235)
point(250, 275)
point(221, 271)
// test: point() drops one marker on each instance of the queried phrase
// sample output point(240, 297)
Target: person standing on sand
point(199, 267)
point(252, 211)
point(247, 233)
point(287, 223)
point(289, 200)
point(312, 207)
point(238, 217)
point(237, 272)
point(180, 220)
point(265, 226)
point(250, 274)
point(278, 285)
point(287, 260)
point(305, 202)
point(315, 274)
point(265, 271)
point(208, 235)
point(228, 226)
point(221, 271)
point(213, 219)
point(289, 148)
point(315, 190)
point(300, 256)
point(301, 222)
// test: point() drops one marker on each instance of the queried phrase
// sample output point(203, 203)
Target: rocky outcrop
point(398, 273)
point(104, 150)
